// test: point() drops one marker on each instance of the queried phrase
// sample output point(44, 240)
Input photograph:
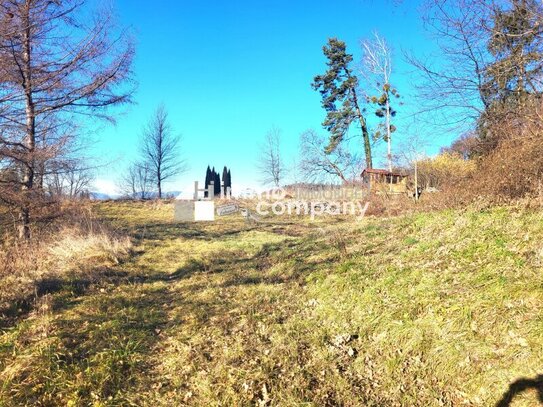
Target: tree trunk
point(416, 181)
point(365, 133)
point(389, 134)
point(24, 223)
point(30, 139)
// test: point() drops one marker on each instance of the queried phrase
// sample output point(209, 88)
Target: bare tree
point(412, 152)
point(453, 78)
point(161, 149)
point(317, 165)
point(53, 66)
point(136, 182)
point(377, 70)
point(71, 182)
point(271, 164)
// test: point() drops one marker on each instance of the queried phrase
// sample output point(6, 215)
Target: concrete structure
point(183, 211)
point(204, 211)
point(199, 209)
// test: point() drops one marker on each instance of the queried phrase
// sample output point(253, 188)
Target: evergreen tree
point(217, 184)
point(213, 178)
point(224, 179)
point(229, 179)
point(338, 90)
point(207, 181)
point(517, 47)
point(513, 79)
point(385, 111)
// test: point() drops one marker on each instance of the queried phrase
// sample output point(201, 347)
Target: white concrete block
point(204, 211)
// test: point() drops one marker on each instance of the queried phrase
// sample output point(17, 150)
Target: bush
point(513, 170)
point(444, 170)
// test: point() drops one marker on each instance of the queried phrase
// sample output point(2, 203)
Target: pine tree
point(385, 111)
point(518, 50)
point(338, 90)
point(512, 80)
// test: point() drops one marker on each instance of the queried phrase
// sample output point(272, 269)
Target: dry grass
point(75, 250)
point(438, 309)
point(71, 249)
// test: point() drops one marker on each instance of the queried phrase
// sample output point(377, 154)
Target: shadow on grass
point(23, 307)
point(66, 288)
point(101, 349)
point(109, 322)
point(295, 254)
point(198, 231)
point(105, 340)
point(520, 386)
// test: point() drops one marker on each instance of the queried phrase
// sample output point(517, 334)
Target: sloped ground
point(426, 310)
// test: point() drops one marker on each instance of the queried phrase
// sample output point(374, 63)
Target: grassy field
point(441, 309)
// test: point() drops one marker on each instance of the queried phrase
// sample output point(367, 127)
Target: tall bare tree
point(452, 83)
point(56, 63)
point(377, 70)
point(316, 165)
point(161, 149)
point(271, 164)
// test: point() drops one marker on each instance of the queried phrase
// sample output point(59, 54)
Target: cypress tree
point(213, 178)
point(217, 184)
point(229, 179)
point(207, 181)
point(224, 178)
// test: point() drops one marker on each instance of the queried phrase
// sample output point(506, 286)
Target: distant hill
point(100, 196)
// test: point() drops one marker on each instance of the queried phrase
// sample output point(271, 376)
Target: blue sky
point(227, 71)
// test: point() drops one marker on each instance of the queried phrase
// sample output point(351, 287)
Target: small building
point(385, 181)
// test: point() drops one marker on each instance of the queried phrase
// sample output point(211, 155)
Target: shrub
point(444, 170)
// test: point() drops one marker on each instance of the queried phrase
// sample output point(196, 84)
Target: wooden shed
point(385, 181)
